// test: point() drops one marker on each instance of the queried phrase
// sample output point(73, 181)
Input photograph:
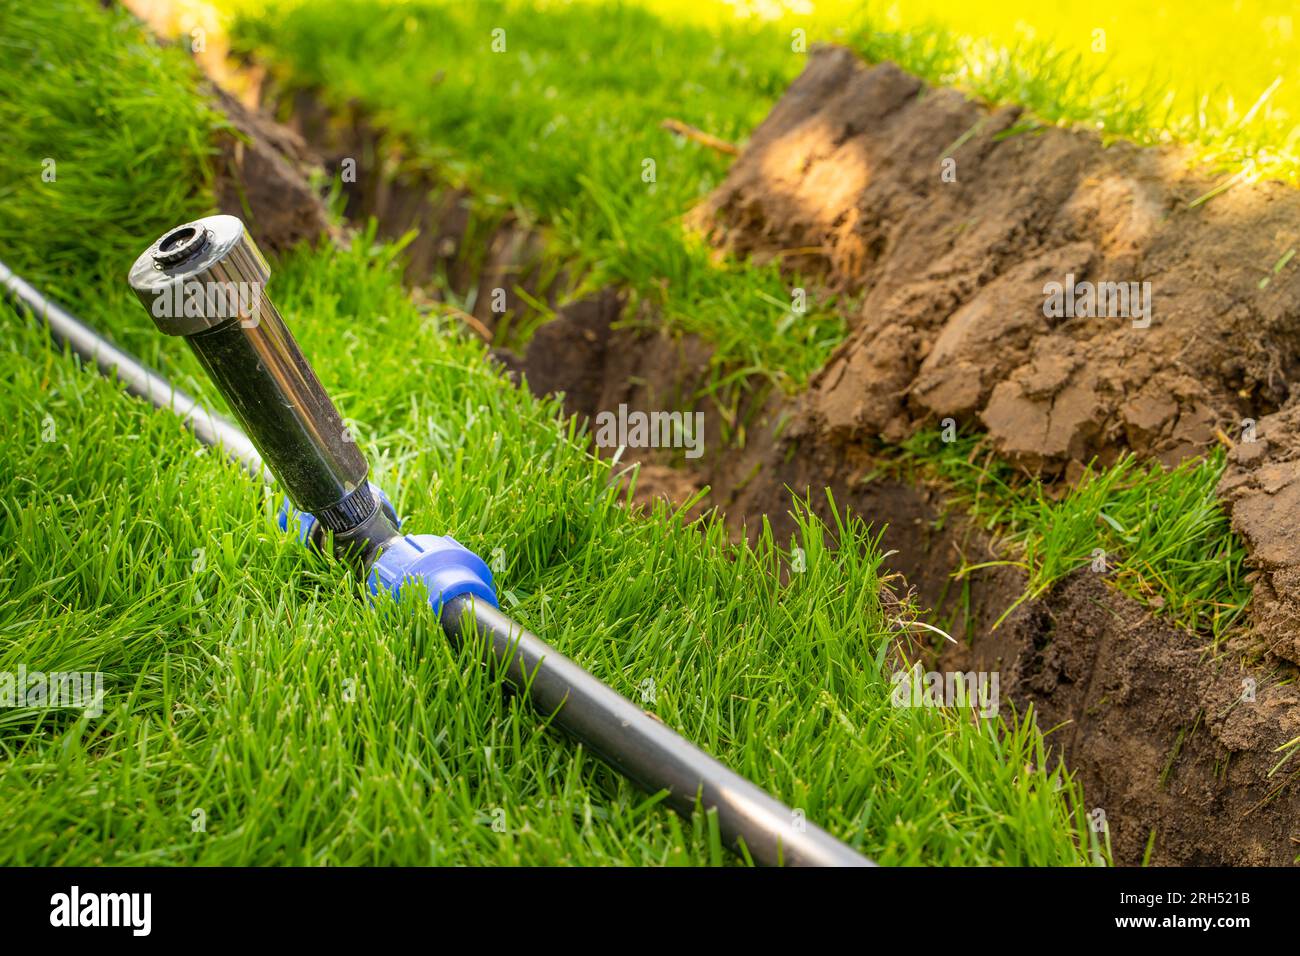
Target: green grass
point(246, 681)
point(1219, 78)
point(1162, 534)
point(561, 127)
point(105, 144)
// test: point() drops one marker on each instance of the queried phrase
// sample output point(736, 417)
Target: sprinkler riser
point(215, 297)
point(206, 281)
point(288, 415)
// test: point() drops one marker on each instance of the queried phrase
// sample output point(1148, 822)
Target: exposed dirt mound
point(1174, 748)
point(847, 177)
point(263, 176)
point(848, 172)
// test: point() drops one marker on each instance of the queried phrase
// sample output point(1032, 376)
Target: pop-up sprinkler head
point(206, 281)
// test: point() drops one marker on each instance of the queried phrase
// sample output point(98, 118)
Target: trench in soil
point(1152, 725)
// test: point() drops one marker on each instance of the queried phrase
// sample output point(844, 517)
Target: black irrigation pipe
point(206, 281)
point(139, 379)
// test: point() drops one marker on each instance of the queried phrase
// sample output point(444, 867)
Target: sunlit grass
point(1218, 76)
point(1195, 74)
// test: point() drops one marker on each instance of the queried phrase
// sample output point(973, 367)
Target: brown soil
point(1261, 487)
point(952, 326)
point(262, 176)
point(1164, 740)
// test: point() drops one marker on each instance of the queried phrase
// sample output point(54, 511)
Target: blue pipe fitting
point(304, 524)
point(447, 568)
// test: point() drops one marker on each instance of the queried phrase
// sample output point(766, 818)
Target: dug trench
point(1179, 748)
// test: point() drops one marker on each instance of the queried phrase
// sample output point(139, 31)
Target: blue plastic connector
point(447, 568)
point(304, 524)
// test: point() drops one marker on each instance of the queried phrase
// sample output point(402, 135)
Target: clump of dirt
point(263, 172)
point(850, 172)
point(952, 219)
point(1261, 487)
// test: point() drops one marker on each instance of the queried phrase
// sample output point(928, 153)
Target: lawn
point(256, 711)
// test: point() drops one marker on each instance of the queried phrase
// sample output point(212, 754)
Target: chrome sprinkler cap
point(200, 275)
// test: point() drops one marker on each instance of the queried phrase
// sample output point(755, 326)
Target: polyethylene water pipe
point(139, 379)
point(206, 281)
